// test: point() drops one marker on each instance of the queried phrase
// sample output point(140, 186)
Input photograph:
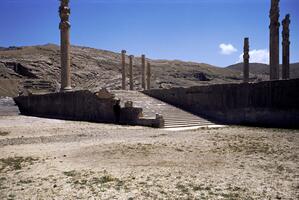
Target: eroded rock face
point(20, 69)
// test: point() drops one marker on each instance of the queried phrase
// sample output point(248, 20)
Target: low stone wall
point(269, 103)
point(79, 105)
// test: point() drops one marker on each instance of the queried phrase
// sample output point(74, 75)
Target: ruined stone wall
point(82, 106)
point(78, 105)
point(269, 103)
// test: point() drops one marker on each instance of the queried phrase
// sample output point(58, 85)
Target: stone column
point(64, 26)
point(123, 69)
point(149, 75)
point(246, 61)
point(131, 57)
point(286, 47)
point(274, 40)
point(143, 72)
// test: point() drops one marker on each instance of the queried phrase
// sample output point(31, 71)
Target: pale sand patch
point(55, 159)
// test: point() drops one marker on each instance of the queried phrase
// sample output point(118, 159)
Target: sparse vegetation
point(182, 187)
point(70, 173)
point(4, 133)
point(95, 182)
point(26, 181)
point(156, 168)
point(15, 163)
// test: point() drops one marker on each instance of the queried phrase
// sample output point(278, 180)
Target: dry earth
point(54, 159)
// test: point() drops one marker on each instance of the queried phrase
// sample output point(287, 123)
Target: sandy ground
point(55, 159)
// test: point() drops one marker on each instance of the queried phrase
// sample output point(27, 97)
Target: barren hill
point(38, 68)
point(262, 70)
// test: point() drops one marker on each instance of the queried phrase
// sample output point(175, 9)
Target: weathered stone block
point(269, 103)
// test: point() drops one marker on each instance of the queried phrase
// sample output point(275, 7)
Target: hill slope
point(262, 70)
point(39, 67)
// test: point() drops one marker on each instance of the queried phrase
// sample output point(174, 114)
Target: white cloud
point(257, 56)
point(227, 49)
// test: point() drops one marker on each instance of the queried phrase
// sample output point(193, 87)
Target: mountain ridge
point(260, 69)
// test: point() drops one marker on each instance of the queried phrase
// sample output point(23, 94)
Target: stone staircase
point(174, 117)
point(38, 85)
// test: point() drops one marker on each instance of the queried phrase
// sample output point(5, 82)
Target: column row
point(145, 72)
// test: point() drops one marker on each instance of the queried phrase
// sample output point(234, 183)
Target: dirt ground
point(55, 159)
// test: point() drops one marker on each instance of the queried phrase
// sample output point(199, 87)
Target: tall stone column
point(286, 47)
point(131, 57)
point(143, 71)
point(123, 70)
point(246, 61)
point(64, 26)
point(274, 40)
point(149, 75)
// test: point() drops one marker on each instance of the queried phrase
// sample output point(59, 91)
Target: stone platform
point(83, 106)
point(266, 104)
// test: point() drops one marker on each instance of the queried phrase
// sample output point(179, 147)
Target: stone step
point(38, 84)
point(180, 117)
point(187, 125)
point(185, 122)
point(174, 117)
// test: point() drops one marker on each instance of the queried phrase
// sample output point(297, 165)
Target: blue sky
point(190, 30)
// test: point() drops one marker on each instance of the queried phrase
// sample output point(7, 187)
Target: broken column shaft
point(148, 75)
point(246, 61)
point(274, 40)
point(64, 26)
point(143, 72)
point(123, 70)
point(131, 57)
point(286, 48)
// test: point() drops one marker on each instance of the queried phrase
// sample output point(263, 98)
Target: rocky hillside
point(262, 70)
point(37, 68)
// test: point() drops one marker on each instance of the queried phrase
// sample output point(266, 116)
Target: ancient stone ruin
point(270, 103)
point(143, 81)
point(148, 78)
point(64, 26)
point(246, 61)
point(123, 64)
point(131, 57)
point(274, 40)
point(286, 47)
point(145, 72)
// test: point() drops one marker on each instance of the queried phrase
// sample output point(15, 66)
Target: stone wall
point(269, 103)
point(79, 105)
point(82, 106)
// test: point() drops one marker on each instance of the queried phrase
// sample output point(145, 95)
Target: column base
point(66, 89)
